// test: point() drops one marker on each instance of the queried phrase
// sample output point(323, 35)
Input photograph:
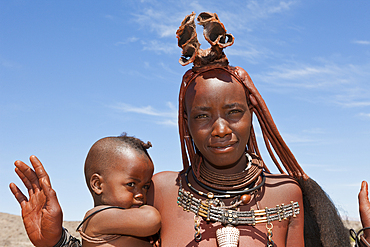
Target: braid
point(135, 143)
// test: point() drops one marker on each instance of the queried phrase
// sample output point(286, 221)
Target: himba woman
point(225, 196)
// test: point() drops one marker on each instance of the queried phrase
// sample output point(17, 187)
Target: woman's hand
point(364, 207)
point(41, 212)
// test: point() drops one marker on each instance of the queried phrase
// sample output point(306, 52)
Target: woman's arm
point(295, 234)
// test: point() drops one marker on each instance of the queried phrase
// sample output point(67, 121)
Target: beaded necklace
point(243, 196)
point(229, 234)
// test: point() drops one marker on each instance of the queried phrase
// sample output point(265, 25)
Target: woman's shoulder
point(283, 185)
point(165, 175)
point(279, 178)
point(165, 178)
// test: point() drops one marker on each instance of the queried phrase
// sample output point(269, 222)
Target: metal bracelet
point(67, 240)
point(363, 241)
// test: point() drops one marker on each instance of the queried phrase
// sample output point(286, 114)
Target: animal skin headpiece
point(214, 58)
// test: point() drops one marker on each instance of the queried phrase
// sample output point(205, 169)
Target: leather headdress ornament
point(214, 32)
point(214, 58)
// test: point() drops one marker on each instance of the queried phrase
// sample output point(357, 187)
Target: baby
point(118, 172)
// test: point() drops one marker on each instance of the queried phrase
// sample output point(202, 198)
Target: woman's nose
point(221, 128)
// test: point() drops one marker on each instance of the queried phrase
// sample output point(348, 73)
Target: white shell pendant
point(228, 236)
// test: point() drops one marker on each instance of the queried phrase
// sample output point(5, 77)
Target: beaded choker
point(222, 194)
point(230, 182)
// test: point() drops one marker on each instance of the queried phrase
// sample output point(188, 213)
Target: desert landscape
point(12, 232)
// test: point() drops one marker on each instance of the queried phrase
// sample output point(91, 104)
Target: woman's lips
point(220, 148)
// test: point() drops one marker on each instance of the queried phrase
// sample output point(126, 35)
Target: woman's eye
point(201, 116)
point(234, 111)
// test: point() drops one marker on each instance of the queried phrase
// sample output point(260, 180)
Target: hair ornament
point(214, 32)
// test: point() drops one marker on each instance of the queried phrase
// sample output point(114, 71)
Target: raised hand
point(41, 212)
point(363, 200)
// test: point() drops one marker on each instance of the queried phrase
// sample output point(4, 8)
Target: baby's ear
point(96, 182)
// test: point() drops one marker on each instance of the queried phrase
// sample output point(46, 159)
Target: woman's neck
point(239, 166)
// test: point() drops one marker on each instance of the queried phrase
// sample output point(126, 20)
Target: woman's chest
point(181, 227)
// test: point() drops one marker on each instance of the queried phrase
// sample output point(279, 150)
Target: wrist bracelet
point(67, 240)
point(360, 241)
point(363, 241)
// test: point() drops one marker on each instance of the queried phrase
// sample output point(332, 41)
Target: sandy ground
point(13, 234)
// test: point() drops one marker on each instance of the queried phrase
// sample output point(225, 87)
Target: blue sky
point(72, 72)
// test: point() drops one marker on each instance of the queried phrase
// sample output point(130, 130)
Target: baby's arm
point(140, 222)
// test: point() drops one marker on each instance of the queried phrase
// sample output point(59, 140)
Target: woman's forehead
point(220, 74)
point(213, 80)
point(204, 91)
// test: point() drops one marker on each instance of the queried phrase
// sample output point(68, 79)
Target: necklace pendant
point(228, 236)
point(210, 195)
point(246, 198)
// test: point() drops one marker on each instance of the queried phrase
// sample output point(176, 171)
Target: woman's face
point(218, 119)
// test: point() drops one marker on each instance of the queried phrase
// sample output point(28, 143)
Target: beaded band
point(363, 241)
point(67, 240)
point(188, 202)
point(360, 241)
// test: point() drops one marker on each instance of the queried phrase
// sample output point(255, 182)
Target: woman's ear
point(96, 182)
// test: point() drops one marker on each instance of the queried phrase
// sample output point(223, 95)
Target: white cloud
point(158, 21)
point(304, 76)
point(110, 17)
point(354, 103)
point(168, 122)
point(169, 115)
point(161, 20)
point(128, 40)
point(157, 46)
point(253, 55)
point(341, 84)
point(362, 42)
point(292, 138)
point(314, 131)
point(338, 169)
point(364, 114)
point(263, 9)
point(9, 64)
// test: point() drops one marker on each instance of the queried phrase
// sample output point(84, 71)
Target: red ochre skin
point(178, 225)
point(217, 113)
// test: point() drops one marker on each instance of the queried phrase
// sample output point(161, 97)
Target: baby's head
point(118, 171)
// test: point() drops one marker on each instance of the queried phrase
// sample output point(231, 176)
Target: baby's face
point(128, 183)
